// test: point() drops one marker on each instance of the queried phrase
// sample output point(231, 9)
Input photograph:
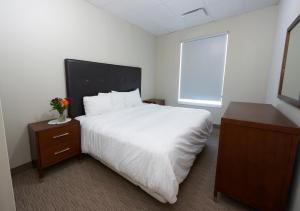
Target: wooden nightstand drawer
point(52, 137)
point(58, 152)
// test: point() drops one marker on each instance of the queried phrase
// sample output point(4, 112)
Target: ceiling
point(164, 16)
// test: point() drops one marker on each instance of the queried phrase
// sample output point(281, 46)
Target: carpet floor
point(89, 185)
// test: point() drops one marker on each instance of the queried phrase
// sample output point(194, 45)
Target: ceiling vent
point(195, 10)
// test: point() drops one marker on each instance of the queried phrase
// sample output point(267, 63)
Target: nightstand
point(155, 101)
point(51, 144)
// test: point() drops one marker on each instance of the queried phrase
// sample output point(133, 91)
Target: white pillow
point(130, 99)
point(96, 105)
point(117, 100)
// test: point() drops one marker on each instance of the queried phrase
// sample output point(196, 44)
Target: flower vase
point(62, 117)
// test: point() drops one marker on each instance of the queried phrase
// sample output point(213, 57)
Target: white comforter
point(153, 146)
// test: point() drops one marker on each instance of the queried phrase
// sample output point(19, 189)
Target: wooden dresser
point(257, 150)
point(51, 144)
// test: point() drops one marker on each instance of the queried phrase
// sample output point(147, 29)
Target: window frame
point(204, 103)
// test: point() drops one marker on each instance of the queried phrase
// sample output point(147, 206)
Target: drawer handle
point(61, 151)
point(58, 136)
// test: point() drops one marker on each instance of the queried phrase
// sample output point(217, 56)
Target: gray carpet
point(89, 185)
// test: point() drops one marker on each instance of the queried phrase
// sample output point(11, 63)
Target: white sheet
point(153, 146)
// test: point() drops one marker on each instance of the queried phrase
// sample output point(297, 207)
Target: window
point(202, 70)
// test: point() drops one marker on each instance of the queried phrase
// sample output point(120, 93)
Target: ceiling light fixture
point(195, 10)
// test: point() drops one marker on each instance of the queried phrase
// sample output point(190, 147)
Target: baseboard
point(216, 126)
point(21, 168)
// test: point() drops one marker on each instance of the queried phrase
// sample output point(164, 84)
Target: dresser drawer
point(51, 138)
point(58, 152)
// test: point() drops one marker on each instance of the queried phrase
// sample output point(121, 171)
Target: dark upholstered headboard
point(85, 78)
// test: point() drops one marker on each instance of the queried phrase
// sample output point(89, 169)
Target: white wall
point(36, 36)
point(288, 11)
point(248, 60)
point(7, 201)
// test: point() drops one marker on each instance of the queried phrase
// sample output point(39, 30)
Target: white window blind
point(202, 69)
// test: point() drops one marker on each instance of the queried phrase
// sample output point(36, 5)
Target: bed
point(152, 146)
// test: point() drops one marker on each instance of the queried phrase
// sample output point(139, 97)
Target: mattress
point(153, 146)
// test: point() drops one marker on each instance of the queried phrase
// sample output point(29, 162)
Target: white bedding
point(153, 146)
